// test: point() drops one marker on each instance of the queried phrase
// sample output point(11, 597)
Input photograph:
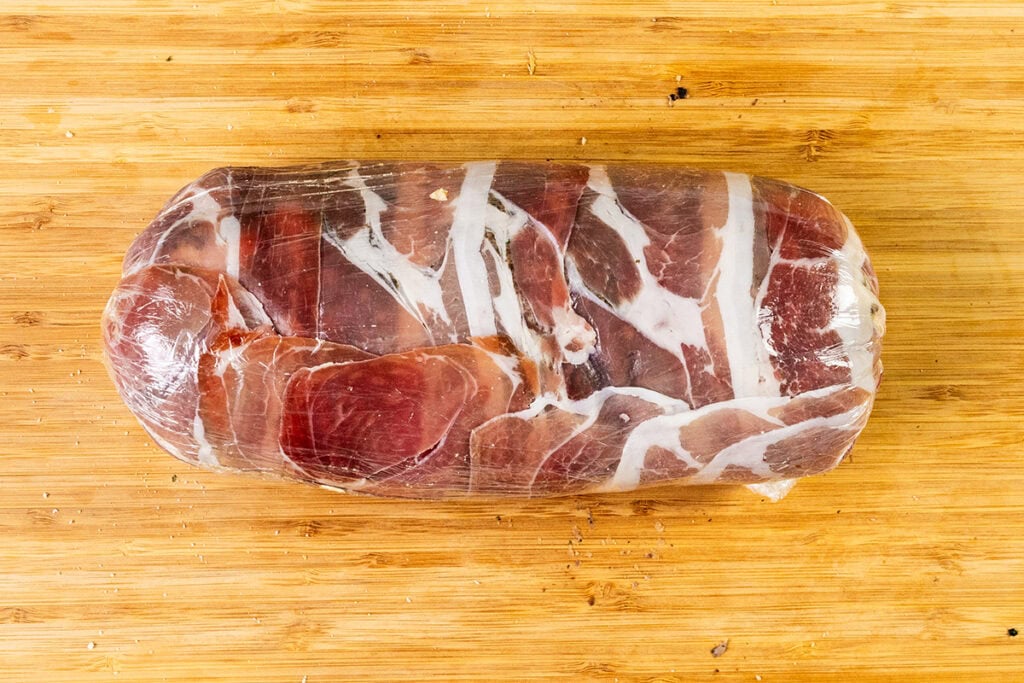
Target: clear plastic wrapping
point(498, 328)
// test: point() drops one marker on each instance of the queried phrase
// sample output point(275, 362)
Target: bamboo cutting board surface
point(907, 563)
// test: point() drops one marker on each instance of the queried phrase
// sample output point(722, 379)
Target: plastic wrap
point(498, 329)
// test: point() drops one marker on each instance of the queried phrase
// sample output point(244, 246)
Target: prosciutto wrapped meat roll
point(498, 328)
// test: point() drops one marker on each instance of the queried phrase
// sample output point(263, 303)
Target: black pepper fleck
point(1012, 632)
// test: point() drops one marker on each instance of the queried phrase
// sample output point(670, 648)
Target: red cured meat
point(447, 330)
point(243, 382)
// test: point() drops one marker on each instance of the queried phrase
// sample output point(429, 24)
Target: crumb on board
point(439, 195)
point(531, 62)
point(719, 650)
point(583, 140)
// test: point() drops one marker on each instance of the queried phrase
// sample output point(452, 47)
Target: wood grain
point(907, 563)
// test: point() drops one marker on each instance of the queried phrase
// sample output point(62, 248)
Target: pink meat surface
point(498, 328)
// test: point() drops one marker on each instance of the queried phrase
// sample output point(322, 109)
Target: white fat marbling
point(205, 454)
point(235, 317)
point(508, 365)
point(591, 405)
point(507, 304)
point(204, 208)
point(467, 236)
point(507, 222)
point(229, 230)
point(750, 365)
point(664, 317)
point(749, 453)
point(590, 408)
point(574, 335)
point(415, 288)
point(573, 331)
point(663, 431)
point(229, 356)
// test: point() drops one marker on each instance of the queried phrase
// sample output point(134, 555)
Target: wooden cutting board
point(120, 563)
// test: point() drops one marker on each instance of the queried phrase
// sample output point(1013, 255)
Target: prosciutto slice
point(498, 329)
